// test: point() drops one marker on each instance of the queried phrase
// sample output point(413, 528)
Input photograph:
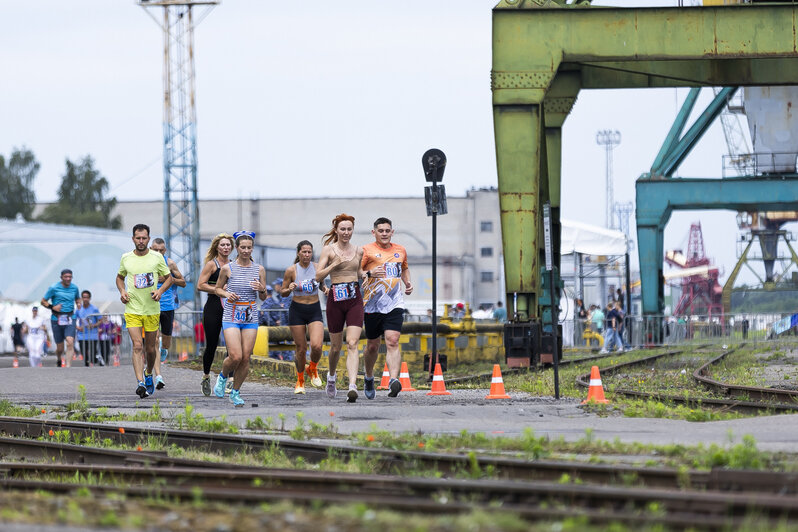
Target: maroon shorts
point(342, 311)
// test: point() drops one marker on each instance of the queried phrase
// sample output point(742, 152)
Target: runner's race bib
point(143, 280)
point(308, 286)
point(34, 331)
point(242, 312)
point(64, 319)
point(343, 291)
point(392, 269)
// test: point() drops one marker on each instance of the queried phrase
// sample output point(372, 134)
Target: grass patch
point(7, 408)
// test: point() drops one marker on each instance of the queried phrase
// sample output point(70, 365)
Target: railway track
point(485, 378)
point(766, 396)
point(529, 500)
point(387, 461)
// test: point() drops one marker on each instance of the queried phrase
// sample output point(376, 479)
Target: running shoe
point(164, 354)
point(235, 398)
point(351, 396)
point(159, 383)
point(395, 387)
point(149, 384)
point(368, 388)
point(206, 385)
point(100, 360)
point(218, 390)
point(228, 386)
point(315, 380)
point(332, 391)
point(141, 390)
point(299, 389)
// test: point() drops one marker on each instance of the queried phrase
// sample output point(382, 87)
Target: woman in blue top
point(243, 281)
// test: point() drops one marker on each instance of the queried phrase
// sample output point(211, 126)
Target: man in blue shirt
point(169, 304)
point(60, 299)
point(86, 318)
point(500, 313)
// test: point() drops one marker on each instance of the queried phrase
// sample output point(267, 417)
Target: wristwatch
point(368, 274)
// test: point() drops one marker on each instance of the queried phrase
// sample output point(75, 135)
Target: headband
point(250, 234)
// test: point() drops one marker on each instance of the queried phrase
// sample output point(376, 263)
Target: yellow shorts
point(149, 323)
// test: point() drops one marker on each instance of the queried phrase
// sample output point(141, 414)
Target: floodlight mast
point(180, 207)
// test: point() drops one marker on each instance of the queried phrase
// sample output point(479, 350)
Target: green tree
point(83, 198)
point(16, 184)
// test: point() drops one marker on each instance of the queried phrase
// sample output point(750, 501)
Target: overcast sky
point(312, 98)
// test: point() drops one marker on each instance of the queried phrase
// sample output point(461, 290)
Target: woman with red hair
point(340, 259)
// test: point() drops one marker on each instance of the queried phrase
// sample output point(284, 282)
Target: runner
point(87, 319)
point(239, 283)
point(60, 299)
point(384, 263)
point(218, 255)
point(138, 273)
point(37, 335)
point(304, 313)
point(16, 335)
point(340, 259)
point(168, 306)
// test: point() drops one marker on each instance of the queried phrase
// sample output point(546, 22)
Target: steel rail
point(484, 378)
point(522, 498)
point(753, 393)
point(736, 405)
point(505, 468)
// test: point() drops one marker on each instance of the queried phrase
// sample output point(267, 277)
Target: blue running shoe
point(235, 398)
point(368, 388)
point(159, 382)
point(218, 390)
point(141, 390)
point(149, 384)
point(164, 354)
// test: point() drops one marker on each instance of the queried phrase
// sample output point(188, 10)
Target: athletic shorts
point(167, 320)
point(231, 325)
point(377, 323)
point(60, 332)
point(148, 323)
point(347, 311)
point(304, 313)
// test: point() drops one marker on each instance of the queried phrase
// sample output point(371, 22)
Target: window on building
point(486, 252)
point(486, 227)
point(486, 277)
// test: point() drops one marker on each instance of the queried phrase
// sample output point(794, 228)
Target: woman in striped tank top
point(243, 281)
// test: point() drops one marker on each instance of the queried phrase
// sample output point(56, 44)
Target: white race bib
point(392, 269)
point(308, 286)
point(242, 312)
point(64, 319)
point(143, 280)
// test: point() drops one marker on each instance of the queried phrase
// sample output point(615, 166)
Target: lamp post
point(434, 163)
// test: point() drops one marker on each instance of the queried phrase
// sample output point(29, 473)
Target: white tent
point(579, 237)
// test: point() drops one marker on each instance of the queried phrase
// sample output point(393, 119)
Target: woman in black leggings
point(218, 255)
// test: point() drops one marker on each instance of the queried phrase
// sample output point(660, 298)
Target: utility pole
point(180, 209)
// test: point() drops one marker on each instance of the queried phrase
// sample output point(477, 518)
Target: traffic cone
point(386, 379)
point(116, 360)
point(497, 385)
point(438, 387)
point(183, 356)
point(404, 379)
point(16, 363)
point(595, 392)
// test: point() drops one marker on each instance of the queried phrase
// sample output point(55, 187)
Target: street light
point(434, 163)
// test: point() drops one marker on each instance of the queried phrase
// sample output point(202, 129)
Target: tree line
point(83, 197)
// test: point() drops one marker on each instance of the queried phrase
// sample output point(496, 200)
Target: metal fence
point(651, 331)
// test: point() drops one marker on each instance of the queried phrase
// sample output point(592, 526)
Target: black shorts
point(167, 320)
point(377, 323)
point(304, 313)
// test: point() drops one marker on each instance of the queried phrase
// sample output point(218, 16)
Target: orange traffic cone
point(116, 360)
point(595, 392)
point(438, 387)
point(16, 363)
point(183, 356)
point(386, 379)
point(497, 385)
point(404, 379)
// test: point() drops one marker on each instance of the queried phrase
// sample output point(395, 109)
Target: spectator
point(16, 335)
point(500, 313)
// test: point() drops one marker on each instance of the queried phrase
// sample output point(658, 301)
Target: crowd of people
point(366, 288)
point(609, 321)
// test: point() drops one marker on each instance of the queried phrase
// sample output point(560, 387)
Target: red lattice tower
point(701, 291)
